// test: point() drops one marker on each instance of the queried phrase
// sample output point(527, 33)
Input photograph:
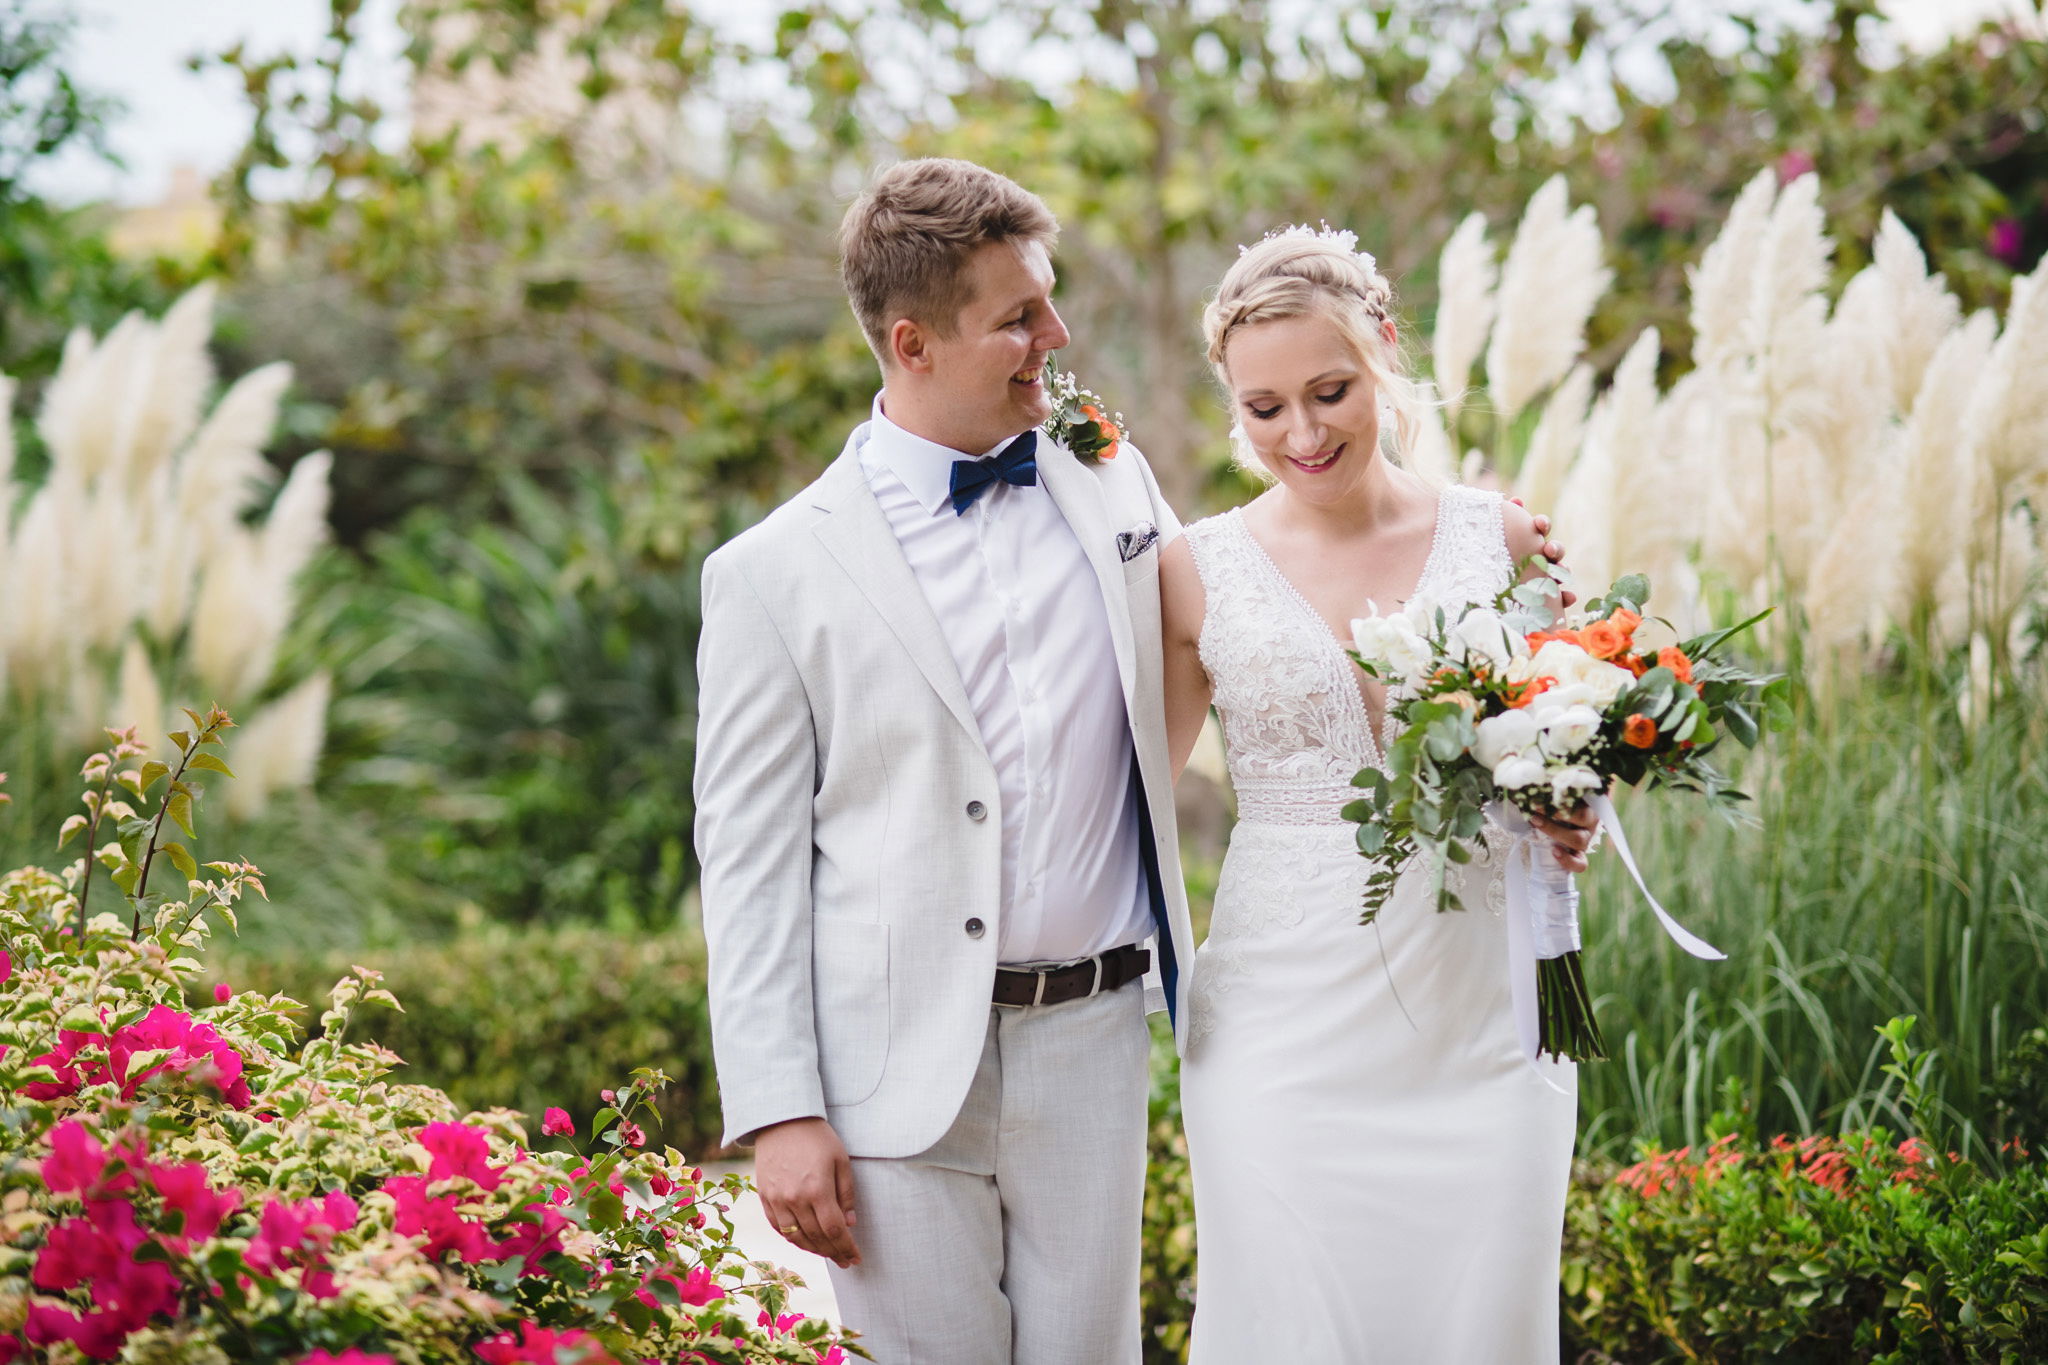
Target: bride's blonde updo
point(1300, 272)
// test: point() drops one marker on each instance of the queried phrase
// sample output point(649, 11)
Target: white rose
point(1379, 638)
point(1569, 664)
point(1567, 785)
point(1503, 736)
point(1517, 770)
point(1570, 730)
point(1484, 638)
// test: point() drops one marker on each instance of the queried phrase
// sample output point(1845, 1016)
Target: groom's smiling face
point(987, 378)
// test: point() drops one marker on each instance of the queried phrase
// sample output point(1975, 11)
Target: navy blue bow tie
point(1015, 463)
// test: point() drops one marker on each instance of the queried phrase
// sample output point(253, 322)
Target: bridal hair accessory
point(1079, 418)
point(1341, 237)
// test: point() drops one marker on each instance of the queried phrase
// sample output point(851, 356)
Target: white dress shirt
point(1023, 615)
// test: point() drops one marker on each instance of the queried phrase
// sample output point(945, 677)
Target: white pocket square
point(1134, 542)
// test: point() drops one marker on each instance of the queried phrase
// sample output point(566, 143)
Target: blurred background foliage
point(572, 319)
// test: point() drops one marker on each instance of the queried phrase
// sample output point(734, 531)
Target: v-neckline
point(1334, 644)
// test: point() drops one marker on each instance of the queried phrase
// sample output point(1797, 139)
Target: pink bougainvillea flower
point(536, 1345)
point(196, 1048)
point(76, 1160)
point(298, 1234)
point(10, 1349)
point(6, 975)
point(695, 1289)
point(351, 1356)
point(557, 1123)
point(98, 1336)
point(632, 1135)
point(438, 1218)
point(222, 993)
point(460, 1149)
point(1794, 164)
point(97, 1253)
point(2006, 241)
point(536, 1239)
point(200, 1207)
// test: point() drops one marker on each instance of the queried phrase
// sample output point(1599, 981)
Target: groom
point(935, 814)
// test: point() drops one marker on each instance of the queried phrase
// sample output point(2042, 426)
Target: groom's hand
point(806, 1184)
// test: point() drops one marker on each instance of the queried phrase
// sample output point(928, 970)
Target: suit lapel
point(856, 534)
point(1078, 495)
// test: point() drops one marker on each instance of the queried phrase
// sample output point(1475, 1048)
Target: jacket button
point(974, 928)
point(976, 811)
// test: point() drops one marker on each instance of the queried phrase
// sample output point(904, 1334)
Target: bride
point(1379, 1170)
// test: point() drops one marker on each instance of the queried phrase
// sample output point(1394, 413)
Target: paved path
point(759, 1242)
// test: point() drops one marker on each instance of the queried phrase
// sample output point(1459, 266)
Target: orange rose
point(1634, 664)
point(1109, 451)
point(1640, 731)
point(1625, 621)
point(1603, 640)
point(1522, 693)
point(1538, 639)
point(1673, 658)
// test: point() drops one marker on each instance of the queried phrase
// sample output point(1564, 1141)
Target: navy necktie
point(1016, 463)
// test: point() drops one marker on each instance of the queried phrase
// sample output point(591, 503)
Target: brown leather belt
point(1018, 987)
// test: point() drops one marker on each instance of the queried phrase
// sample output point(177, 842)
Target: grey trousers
point(1014, 1239)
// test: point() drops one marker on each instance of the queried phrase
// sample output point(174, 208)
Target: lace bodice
point(1294, 722)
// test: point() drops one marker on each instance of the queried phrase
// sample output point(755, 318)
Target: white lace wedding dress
point(1379, 1171)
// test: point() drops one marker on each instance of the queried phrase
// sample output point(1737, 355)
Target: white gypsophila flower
point(1570, 730)
point(1466, 274)
point(1550, 282)
point(279, 749)
point(1518, 770)
point(1559, 433)
point(1503, 736)
point(1481, 637)
point(1568, 786)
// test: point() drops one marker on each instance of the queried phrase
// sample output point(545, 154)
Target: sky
point(136, 50)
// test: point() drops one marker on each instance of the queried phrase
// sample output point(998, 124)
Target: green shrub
point(1822, 1249)
point(189, 1185)
point(526, 1017)
point(1166, 1288)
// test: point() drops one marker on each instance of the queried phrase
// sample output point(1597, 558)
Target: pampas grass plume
point(1549, 284)
point(1466, 275)
point(279, 750)
point(1936, 475)
point(1922, 310)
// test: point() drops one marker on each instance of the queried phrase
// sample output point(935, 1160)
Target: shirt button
point(974, 928)
point(976, 811)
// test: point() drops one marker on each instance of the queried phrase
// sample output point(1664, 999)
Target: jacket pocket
point(850, 996)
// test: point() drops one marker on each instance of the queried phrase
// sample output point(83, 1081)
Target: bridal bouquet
point(1497, 707)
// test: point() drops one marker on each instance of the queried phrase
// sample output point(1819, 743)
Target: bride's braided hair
point(1300, 272)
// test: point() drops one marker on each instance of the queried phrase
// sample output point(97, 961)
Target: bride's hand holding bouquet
point(1497, 709)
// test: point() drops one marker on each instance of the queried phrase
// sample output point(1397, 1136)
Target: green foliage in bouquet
point(185, 1185)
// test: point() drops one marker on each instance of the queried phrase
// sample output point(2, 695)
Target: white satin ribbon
point(1552, 928)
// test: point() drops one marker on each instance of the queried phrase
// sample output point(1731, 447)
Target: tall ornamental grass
point(1872, 464)
point(152, 564)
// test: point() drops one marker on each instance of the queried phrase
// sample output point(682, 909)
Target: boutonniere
point(1078, 419)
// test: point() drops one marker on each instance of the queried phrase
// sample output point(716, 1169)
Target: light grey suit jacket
point(837, 757)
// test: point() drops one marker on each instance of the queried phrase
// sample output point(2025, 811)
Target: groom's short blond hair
point(904, 244)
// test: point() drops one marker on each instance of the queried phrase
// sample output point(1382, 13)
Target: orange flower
point(1109, 451)
point(1603, 640)
point(1634, 664)
point(1639, 731)
point(1538, 639)
point(1091, 412)
point(1673, 658)
point(1522, 693)
point(1625, 621)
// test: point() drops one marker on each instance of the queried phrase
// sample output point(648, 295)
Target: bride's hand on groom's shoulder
point(806, 1183)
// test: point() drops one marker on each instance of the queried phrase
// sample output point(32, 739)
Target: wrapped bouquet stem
point(1497, 710)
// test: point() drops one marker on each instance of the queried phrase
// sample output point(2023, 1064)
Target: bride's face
point(1306, 403)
